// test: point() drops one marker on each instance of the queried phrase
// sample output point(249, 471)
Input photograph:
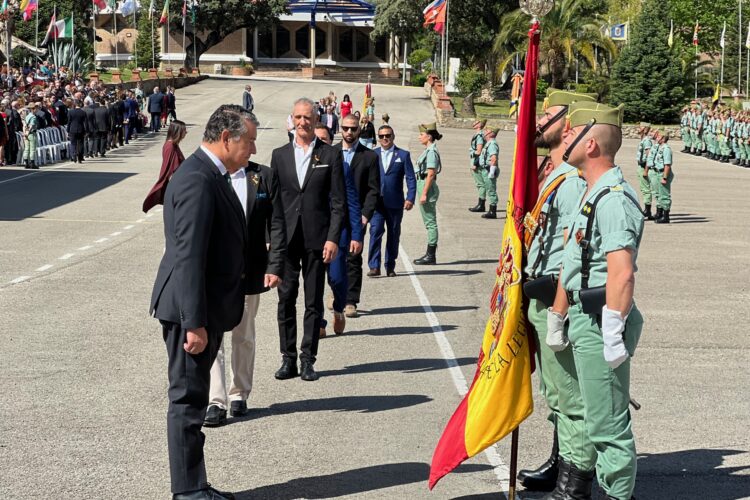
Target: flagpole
point(135, 26)
point(153, 40)
point(195, 33)
point(739, 56)
point(114, 33)
point(73, 45)
point(93, 29)
point(696, 71)
point(36, 36)
point(513, 464)
point(57, 65)
point(447, 32)
point(721, 73)
point(184, 29)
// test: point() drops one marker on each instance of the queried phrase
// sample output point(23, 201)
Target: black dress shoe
point(308, 372)
point(391, 273)
point(288, 370)
point(205, 494)
point(238, 408)
point(215, 416)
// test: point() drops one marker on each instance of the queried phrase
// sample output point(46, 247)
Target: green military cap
point(542, 151)
point(582, 113)
point(481, 123)
point(492, 131)
point(428, 127)
point(556, 97)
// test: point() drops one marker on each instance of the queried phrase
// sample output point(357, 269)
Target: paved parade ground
point(83, 370)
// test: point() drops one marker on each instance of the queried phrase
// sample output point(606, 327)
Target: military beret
point(428, 127)
point(557, 97)
point(582, 113)
point(481, 123)
point(492, 131)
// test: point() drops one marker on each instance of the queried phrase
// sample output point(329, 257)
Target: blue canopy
point(360, 8)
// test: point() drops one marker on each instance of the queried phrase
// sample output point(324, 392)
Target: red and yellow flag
point(164, 14)
point(499, 398)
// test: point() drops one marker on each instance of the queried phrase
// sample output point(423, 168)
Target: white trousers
point(243, 360)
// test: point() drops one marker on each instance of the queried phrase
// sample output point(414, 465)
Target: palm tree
point(567, 31)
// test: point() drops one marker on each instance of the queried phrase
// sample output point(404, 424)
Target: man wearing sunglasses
point(361, 164)
point(395, 166)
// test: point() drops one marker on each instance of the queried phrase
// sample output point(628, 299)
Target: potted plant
point(153, 73)
point(242, 69)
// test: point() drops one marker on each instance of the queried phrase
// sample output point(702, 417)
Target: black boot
point(724, 159)
point(658, 214)
point(647, 212)
point(479, 207)
point(562, 481)
point(33, 165)
point(428, 258)
point(579, 484)
point(26, 164)
point(492, 214)
point(664, 219)
point(543, 478)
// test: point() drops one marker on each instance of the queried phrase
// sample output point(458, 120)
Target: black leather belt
point(571, 297)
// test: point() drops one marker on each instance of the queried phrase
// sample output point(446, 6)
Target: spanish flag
point(499, 398)
point(164, 19)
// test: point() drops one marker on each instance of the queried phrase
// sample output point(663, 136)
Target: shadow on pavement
point(448, 272)
point(417, 365)
point(415, 309)
point(467, 262)
point(40, 193)
point(397, 330)
point(351, 482)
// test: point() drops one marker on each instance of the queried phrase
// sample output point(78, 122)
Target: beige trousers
point(243, 360)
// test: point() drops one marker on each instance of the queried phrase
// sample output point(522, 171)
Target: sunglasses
point(349, 129)
point(385, 136)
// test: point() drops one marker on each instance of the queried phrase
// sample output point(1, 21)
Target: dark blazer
point(265, 224)
point(154, 102)
point(118, 113)
point(77, 122)
point(90, 119)
point(334, 128)
point(366, 177)
point(102, 118)
point(392, 183)
point(131, 108)
point(200, 278)
point(62, 112)
point(171, 101)
point(319, 205)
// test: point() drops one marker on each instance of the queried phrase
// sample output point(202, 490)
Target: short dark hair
point(229, 117)
point(321, 126)
point(386, 126)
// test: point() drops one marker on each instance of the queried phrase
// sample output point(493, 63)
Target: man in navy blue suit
point(395, 166)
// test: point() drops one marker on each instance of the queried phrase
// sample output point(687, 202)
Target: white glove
point(493, 171)
point(556, 338)
point(613, 326)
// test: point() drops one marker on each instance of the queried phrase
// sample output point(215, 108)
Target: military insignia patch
point(256, 179)
point(579, 236)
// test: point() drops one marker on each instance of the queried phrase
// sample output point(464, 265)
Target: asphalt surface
point(83, 405)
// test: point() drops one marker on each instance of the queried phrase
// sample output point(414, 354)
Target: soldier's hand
point(423, 199)
point(663, 181)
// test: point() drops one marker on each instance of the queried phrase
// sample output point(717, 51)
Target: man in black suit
point(155, 101)
point(198, 293)
point(313, 193)
point(102, 117)
point(264, 267)
point(117, 112)
point(366, 173)
point(77, 129)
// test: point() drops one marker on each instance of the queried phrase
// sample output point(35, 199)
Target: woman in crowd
point(346, 106)
point(367, 135)
point(172, 158)
point(29, 134)
point(428, 167)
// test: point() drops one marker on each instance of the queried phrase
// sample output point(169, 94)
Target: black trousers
point(76, 146)
point(91, 144)
point(155, 121)
point(102, 142)
point(189, 382)
point(310, 262)
point(354, 272)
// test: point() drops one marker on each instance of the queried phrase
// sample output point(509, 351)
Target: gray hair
point(229, 117)
point(305, 100)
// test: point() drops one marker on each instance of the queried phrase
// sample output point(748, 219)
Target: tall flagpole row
point(114, 34)
point(135, 25)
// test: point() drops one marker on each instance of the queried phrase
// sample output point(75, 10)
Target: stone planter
point(168, 73)
point(94, 77)
point(116, 77)
point(136, 76)
point(313, 73)
point(241, 71)
point(196, 71)
point(153, 73)
point(391, 72)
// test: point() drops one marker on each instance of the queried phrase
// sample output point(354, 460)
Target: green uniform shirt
point(663, 157)
point(429, 159)
point(559, 217)
point(476, 141)
point(643, 146)
point(651, 156)
point(618, 224)
point(490, 149)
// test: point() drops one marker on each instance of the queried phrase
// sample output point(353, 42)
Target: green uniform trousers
point(662, 192)
point(476, 174)
point(745, 150)
point(429, 210)
point(710, 143)
point(606, 442)
point(686, 137)
point(29, 151)
point(695, 140)
point(490, 186)
point(645, 187)
point(723, 146)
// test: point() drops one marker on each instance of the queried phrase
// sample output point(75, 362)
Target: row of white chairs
point(52, 146)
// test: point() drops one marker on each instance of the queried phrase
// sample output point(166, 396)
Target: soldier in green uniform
point(490, 171)
point(596, 293)
point(696, 132)
point(475, 153)
point(663, 176)
point(428, 168)
point(685, 129)
point(709, 136)
point(744, 140)
point(546, 229)
point(644, 148)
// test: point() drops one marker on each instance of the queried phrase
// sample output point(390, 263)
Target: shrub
point(418, 80)
point(418, 57)
point(470, 81)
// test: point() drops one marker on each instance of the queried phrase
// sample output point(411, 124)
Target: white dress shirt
point(302, 159)
point(239, 179)
point(386, 155)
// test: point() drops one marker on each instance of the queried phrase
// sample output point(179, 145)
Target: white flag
point(128, 7)
point(723, 31)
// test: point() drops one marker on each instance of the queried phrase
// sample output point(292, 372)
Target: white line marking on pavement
point(116, 233)
point(17, 178)
point(20, 279)
point(140, 220)
point(129, 227)
point(501, 469)
point(44, 268)
point(101, 240)
point(84, 248)
point(66, 256)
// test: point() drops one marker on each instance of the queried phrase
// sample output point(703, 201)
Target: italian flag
point(59, 29)
point(164, 14)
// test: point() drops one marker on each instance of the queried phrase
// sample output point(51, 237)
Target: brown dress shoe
point(373, 272)
point(350, 311)
point(322, 332)
point(339, 323)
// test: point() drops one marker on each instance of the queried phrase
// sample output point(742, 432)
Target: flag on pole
point(193, 9)
point(164, 14)
point(723, 32)
point(670, 40)
point(619, 32)
point(717, 96)
point(184, 11)
point(100, 4)
point(151, 9)
point(499, 398)
point(747, 40)
point(695, 34)
point(4, 7)
point(433, 10)
point(128, 8)
point(58, 29)
point(440, 18)
point(27, 8)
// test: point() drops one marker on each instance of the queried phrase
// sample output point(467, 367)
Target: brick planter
point(241, 71)
point(153, 73)
point(93, 77)
point(136, 76)
point(116, 77)
point(313, 73)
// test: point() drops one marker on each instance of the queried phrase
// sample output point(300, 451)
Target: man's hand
point(197, 340)
point(408, 205)
point(364, 220)
point(355, 247)
point(645, 173)
point(664, 181)
point(423, 199)
point(330, 249)
point(271, 281)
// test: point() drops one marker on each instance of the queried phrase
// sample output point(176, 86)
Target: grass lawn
point(497, 109)
point(127, 75)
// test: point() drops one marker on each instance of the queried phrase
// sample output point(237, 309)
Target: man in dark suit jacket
point(395, 166)
point(77, 128)
point(264, 267)
point(92, 148)
point(117, 111)
point(199, 288)
point(103, 120)
point(366, 174)
point(131, 115)
point(155, 101)
point(313, 194)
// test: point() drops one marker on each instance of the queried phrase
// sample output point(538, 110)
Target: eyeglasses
point(349, 129)
point(385, 136)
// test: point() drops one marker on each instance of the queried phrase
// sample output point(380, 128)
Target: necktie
point(228, 179)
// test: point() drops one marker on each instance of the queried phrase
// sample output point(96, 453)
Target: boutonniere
point(316, 160)
point(256, 179)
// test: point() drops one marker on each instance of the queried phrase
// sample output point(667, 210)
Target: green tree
point(403, 18)
point(147, 58)
point(647, 76)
